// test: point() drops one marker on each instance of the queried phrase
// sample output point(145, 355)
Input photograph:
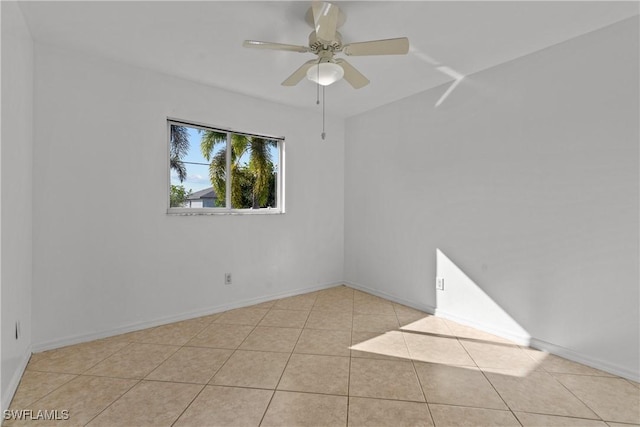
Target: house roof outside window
point(207, 193)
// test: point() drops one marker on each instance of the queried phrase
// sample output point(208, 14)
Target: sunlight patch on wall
point(466, 302)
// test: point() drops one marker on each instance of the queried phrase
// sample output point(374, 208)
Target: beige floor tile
point(436, 349)
point(463, 331)
point(384, 379)
point(391, 413)
point(460, 386)
point(266, 304)
point(444, 415)
point(327, 342)
point(209, 318)
point(613, 399)
point(330, 320)
point(149, 403)
point(257, 369)
point(633, 383)
point(173, 334)
point(408, 315)
point(499, 356)
point(78, 358)
point(333, 304)
point(285, 318)
point(226, 406)
point(537, 420)
point(305, 409)
point(36, 357)
point(387, 356)
point(375, 345)
point(540, 393)
point(316, 374)
point(298, 302)
point(131, 336)
point(272, 339)
point(134, 361)
point(191, 365)
point(363, 296)
point(559, 365)
point(35, 385)
point(84, 397)
point(382, 308)
point(374, 323)
point(342, 290)
point(428, 325)
point(242, 316)
point(221, 336)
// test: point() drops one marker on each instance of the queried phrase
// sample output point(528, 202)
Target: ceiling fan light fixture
point(325, 73)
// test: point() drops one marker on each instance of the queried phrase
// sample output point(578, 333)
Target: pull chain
point(323, 134)
point(318, 86)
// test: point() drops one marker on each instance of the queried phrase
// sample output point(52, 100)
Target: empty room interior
point(325, 214)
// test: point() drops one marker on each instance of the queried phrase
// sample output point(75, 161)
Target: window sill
point(214, 211)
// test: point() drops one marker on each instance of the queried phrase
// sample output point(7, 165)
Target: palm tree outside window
point(198, 161)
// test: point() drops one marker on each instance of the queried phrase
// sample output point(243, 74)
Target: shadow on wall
point(464, 301)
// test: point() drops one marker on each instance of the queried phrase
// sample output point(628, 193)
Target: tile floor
point(335, 357)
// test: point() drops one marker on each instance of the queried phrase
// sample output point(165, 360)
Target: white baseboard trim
point(7, 395)
point(77, 339)
point(585, 360)
point(524, 340)
point(422, 307)
point(533, 342)
point(519, 339)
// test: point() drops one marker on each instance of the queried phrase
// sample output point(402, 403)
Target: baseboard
point(585, 360)
point(519, 339)
point(77, 339)
point(524, 340)
point(7, 395)
point(422, 307)
point(533, 342)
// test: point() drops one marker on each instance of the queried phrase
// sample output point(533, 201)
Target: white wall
point(16, 190)
point(526, 178)
point(119, 260)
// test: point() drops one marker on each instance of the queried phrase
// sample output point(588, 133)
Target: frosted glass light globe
point(325, 73)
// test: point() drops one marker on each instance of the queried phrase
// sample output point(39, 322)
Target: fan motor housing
point(316, 45)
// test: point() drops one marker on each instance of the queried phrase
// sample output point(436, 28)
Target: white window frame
point(280, 197)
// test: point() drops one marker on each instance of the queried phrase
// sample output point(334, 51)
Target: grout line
point(114, 401)
point(353, 310)
point(47, 394)
point(266, 409)
point(415, 370)
point(574, 395)
point(572, 417)
point(189, 404)
point(490, 383)
point(212, 321)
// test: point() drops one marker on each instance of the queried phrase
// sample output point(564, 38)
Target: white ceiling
point(202, 40)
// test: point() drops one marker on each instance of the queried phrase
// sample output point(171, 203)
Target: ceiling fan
point(325, 42)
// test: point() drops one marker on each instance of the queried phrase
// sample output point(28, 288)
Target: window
point(200, 158)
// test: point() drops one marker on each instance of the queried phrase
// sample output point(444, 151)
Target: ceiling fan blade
point(399, 46)
point(325, 19)
point(354, 77)
point(299, 74)
point(274, 46)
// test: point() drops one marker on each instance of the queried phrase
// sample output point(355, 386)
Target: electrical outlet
point(440, 283)
point(227, 278)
